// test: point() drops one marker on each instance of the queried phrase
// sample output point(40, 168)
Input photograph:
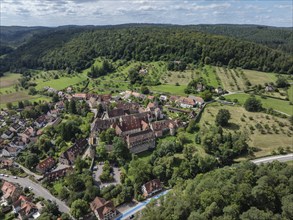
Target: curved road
point(38, 191)
point(281, 158)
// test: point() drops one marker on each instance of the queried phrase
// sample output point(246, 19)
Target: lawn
point(209, 73)
point(62, 82)
point(169, 89)
point(243, 120)
point(277, 104)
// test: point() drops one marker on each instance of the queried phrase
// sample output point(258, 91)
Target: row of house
point(21, 132)
point(21, 204)
point(139, 130)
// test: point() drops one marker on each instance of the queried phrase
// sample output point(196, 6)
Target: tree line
point(76, 49)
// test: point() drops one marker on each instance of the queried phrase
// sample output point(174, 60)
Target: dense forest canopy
point(273, 37)
point(243, 191)
point(75, 48)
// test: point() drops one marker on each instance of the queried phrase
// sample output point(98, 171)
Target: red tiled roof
point(46, 164)
point(102, 206)
point(8, 189)
point(153, 185)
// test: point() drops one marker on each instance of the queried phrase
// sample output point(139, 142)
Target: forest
point(76, 48)
point(243, 191)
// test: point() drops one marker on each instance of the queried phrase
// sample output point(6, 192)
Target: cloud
point(61, 12)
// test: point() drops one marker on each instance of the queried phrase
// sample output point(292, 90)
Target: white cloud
point(61, 12)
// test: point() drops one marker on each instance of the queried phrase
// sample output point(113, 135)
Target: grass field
point(235, 79)
point(62, 82)
point(227, 82)
point(169, 89)
point(241, 120)
point(210, 74)
point(256, 77)
point(9, 80)
point(279, 105)
point(20, 96)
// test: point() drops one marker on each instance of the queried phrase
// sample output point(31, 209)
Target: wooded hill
point(243, 191)
point(76, 47)
point(280, 38)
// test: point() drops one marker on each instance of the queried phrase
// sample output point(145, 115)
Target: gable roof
point(102, 207)
point(116, 112)
point(8, 189)
point(46, 164)
point(152, 185)
point(140, 136)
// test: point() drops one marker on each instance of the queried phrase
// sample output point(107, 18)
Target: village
point(139, 120)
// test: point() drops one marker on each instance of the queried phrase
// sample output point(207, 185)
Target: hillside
point(76, 48)
point(273, 37)
point(243, 191)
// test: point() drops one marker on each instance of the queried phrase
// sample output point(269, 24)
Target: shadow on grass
point(233, 126)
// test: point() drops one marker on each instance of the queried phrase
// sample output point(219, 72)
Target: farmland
point(240, 80)
point(277, 104)
point(266, 133)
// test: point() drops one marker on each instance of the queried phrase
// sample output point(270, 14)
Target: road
point(281, 158)
point(38, 190)
point(27, 171)
point(139, 206)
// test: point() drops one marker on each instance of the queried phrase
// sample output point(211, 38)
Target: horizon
point(55, 13)
point(155, 24)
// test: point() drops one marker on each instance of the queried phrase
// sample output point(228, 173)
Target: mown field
point(237, 79)
point(9, 92)
point(276, 131)
point(277, 104)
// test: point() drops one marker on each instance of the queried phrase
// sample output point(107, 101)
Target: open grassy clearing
point(169, 89)
point(172, 77)
point(20, 96)
point(210, 74)
point(276, 104)
point(61, 83)
point(235, 79)
point(257, 77)
point(226, 79)
point(241, 120)
point(9, 79)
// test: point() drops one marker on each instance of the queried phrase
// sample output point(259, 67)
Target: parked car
point(15, 177)
point(6, 175)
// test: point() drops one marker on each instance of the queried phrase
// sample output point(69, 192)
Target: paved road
point(281, 158)
point(139, 206)
point(38, 190)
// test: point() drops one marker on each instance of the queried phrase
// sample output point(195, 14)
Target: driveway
point(27, 171)
point(116, 175)
point(38, 190)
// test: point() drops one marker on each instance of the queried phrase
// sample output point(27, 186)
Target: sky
point(105, 12)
